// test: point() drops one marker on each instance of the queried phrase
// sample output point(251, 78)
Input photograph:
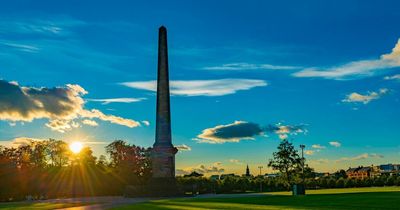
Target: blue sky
point(244, 74)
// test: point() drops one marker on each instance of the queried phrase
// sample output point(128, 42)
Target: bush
point(348, 183)
point(390, 181)
point(340, 183)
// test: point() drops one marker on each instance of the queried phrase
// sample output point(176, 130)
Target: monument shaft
point(163, 155)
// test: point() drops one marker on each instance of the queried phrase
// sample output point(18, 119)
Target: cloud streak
point(249, 66)
point(360, 157)
point(117, 100)
point(356, 69)
point(183, 147)
point(201, 87)
point(394, 77)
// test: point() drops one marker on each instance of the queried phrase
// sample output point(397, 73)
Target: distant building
point(389, 169)
point(248, 171)
point(359, 172)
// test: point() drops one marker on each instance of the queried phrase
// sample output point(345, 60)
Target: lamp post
point(260, 167)
point(302, 146)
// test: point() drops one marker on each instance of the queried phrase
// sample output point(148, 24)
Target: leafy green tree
point(340, 174)
point(286, 160)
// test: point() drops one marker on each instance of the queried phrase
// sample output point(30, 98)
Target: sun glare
point(75, 147)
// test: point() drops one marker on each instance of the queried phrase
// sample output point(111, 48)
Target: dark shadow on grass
point(363, 200)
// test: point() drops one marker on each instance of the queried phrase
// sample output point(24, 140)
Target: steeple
point(247, 170)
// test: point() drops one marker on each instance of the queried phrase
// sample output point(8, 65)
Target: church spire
point(247, 170)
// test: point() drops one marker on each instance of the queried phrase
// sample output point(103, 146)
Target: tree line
point(48, 169)
point(235, 184)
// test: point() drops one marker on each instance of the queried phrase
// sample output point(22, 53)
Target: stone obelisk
point(163, 153)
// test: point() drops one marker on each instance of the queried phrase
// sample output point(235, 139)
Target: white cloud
point(234, 132)
point(19, 141)
point(183, 147)
point(238, 162)
point(146, 122)
point(117, 100)
point(365, 99)
point(318, 146)
point(360, 157)
point(335, 143)
point(201, 87)
point(21, 47)
point(394, 77)
point(94, 113)
point(356, 68)
point(283, 131)
point(319, 161)
point(249, 66)
point(203, 169)
point(62, 106)
point(90, 122)
point(58, 26)
point(309, 152)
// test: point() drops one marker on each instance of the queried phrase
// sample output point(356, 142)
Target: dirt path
point(107, 202)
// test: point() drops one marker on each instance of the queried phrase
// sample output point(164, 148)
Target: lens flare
point(76, 147)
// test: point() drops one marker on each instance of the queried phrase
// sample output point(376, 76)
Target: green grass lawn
point(35, 205)
point(353, 198)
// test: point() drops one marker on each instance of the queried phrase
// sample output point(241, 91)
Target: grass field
point(354, 199)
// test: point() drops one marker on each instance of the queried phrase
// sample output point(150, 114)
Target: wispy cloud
point(117, 100)
point(235, 161)
point(309, 152)
point(360, 157)
point(183, 147)
point(335, 143)
point(356, 69)
point(318, 146)
point(249, 66)
point(58, 26)
point(201, 87)
point(366, 98)
point(319, 161)
point(20, 47)
point(394, 77)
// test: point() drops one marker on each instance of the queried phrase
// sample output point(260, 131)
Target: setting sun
point(75, 147)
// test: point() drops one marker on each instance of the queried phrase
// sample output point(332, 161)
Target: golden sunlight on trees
point(52, 168)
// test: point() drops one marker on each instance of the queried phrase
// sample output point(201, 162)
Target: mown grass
point(353, 198)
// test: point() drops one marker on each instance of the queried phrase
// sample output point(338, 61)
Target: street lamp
point(260, 167)
point(302, 146)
